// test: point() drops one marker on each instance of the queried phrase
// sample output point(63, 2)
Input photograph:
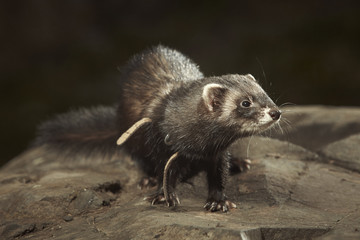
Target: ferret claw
point(160, 199)
point(173, 200)
point(155, 199)
point(245, 165)
point(222, 205)
point(242, 165)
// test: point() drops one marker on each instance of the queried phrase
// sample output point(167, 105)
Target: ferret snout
point(275, 114)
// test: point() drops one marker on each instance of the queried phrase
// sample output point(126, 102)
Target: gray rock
point(259, 147)
point(313, 127)
point(345, 152)
point(290, 192)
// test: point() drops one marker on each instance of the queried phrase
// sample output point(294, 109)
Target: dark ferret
point(172, 120)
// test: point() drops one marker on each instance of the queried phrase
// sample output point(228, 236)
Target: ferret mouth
point(268, 125)
point(266, 119)
point(257, 127)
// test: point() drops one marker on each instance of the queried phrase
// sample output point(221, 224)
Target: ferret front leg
point(217, 174)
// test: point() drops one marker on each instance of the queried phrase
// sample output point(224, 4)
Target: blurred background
point(60, 55)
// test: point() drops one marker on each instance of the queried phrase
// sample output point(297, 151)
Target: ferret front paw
point(222, 205)
point(159, 198)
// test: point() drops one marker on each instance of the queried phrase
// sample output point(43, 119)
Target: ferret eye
point(245, 104)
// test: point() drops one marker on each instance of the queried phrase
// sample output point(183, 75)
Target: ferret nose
point(275, 114)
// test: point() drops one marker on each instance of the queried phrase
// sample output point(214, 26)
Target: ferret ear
point(250, 77)
point(213, 96)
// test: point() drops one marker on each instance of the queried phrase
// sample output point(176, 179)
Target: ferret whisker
point(279, 126)
point(248, 146)
point(286, 110)
point(268, 134)
point(263, 71)
point(278, 98)
point(287, 123)
point(287, 104)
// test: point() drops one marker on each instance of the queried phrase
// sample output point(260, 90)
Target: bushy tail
point(84, 131)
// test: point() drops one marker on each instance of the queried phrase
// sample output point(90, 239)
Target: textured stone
point(345, 152)
point(313, 127)
point(290, 192)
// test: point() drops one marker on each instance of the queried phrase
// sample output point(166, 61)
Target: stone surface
point(313, 127)
point(296, 189)
point(345, 152)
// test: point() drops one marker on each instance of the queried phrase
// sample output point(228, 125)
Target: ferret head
point(239, 102)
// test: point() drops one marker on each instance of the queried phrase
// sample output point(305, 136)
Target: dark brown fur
point(163, 85)
point(199, 118)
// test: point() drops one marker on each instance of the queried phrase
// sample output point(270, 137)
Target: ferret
point(172, 120)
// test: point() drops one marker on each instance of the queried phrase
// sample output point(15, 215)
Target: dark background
point(58, 55)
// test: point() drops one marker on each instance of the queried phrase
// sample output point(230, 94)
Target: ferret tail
point(86, 131)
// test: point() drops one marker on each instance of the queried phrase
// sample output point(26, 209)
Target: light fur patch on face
point(264, 122)
point(229, 105)
point(266, 118)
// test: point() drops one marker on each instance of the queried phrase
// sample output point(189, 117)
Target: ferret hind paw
point(239, 165)
point(159, 198)
point(147, 182)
